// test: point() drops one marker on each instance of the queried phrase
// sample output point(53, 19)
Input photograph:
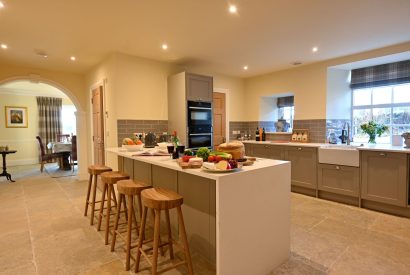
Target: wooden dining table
point(63, 148)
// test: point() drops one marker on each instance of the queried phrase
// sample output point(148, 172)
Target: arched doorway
point(80, 124)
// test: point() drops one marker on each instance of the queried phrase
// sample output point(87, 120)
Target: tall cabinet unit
point(181, 88)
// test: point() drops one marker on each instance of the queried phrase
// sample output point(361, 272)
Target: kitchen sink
point(339, 154)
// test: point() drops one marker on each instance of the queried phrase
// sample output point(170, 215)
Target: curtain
point(49, 117)
point(287, 101)
point(381, 75)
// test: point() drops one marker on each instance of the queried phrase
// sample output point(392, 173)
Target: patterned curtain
point(381, 75)
point(49, 117)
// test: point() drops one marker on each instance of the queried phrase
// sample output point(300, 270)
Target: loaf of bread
point(235, 148)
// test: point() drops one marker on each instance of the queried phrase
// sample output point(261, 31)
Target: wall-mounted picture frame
point(16, 117)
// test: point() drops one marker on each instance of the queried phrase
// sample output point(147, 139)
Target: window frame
point(372, 106)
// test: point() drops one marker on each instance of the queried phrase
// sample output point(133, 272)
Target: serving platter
point(220, 171)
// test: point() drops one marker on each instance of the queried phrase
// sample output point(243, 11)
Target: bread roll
point(235, 148)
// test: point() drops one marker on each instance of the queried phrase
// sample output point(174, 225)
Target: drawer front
point(267, 151)
point(339, 179)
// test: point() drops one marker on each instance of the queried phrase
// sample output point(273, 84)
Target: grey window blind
point(381, 75)
point(287, 101)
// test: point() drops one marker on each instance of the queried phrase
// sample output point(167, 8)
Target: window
point(389, 105)
point(69, 120)
point(287, 113)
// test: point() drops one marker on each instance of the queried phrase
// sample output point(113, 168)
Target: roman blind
point(381, 75)
point(287, 101)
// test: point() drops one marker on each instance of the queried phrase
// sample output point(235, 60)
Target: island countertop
point(167, 162)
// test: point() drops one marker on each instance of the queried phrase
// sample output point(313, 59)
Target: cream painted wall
point(21, 139)
point(308, 83)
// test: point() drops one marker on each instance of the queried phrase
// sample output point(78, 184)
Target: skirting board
point(18, 162)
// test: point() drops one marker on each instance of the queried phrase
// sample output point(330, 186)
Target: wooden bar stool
point(109, 179)
point(127, 189)
point(94, 171)
point(162, 199)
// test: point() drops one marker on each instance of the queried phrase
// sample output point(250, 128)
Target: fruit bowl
point(133, 148)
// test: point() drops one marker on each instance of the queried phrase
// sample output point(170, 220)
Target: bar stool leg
point(184, 241)
point(129, 228)
point(104, 192)
point(93, 202)
point(170, 244)
point(107, 218)
point(117, 218)
point(141, 238)
point(87, 200)
point(156, 241)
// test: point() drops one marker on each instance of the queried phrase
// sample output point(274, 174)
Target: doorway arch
point(80, 117)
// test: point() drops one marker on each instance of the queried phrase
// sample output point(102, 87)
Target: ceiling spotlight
point(3, 46)
point(42, 54)
point(245, 68)
point(315, 49)
point(72, 58)
point(164, 47)
point(233, 9)
point(1, 5)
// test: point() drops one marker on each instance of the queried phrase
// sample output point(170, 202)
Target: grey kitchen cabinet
point(384, 177)
point(199, 87)
point(267, 151)
point(339, 179)
point(304, 165)
point(248, 149)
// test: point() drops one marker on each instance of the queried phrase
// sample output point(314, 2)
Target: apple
point(218, 158)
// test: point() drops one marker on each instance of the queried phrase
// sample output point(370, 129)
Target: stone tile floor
point(43, 231)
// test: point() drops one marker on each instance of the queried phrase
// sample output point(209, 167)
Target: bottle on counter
point(263, 135)
point(257, 136)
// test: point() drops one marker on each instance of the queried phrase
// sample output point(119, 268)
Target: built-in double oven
point(199, 124)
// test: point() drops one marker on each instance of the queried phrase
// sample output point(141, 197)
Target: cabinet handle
point(337, 167)
point(266, 146)
point(382, 154)
point(300, 149)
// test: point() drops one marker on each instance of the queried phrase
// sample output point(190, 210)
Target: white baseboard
point(17, 162)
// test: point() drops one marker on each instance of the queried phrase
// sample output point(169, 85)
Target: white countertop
point(362, 147)
point(169, 163)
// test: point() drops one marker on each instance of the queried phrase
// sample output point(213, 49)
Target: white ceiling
point(31, 88)
point(266, 35)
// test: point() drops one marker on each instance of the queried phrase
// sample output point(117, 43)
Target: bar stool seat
point(109, 179)
point(161, 199)
point(127, 190)
point(94, 171)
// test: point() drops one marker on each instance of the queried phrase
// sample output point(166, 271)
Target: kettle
point(406, 137)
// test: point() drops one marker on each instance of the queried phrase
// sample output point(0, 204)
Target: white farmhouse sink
point(339, 154)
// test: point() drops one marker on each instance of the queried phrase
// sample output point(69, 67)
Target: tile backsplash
point(316, 127)
point(126, 127)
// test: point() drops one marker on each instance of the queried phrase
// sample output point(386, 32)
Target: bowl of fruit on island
point(134, 144)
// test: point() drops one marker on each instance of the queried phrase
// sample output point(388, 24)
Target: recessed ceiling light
point(233, 9)
point(315, 49)
point(42, 54)
point(1, 5)
point(245, 68)
point(73, 58)
point(3, 46)
point(164, 46)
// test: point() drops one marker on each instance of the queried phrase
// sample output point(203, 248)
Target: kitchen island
point(239, 221)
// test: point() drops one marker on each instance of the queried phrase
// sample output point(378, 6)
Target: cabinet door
point(304, 166)
point(248, 149)
point(199, 87)
point(339, 179)
point(384, 177)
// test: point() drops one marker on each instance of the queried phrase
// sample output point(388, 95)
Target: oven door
point(196, 141)
point(199, 116)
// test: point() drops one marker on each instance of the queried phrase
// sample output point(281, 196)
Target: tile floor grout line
point(29, 230)
point(315, 225)
point(341, 254)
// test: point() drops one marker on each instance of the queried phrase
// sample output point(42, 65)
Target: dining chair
point(73, 156)
point(44, 157)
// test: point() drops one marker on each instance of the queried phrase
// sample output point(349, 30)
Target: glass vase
point(372, 138)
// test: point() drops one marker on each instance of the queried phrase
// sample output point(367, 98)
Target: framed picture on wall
point(16, 117)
